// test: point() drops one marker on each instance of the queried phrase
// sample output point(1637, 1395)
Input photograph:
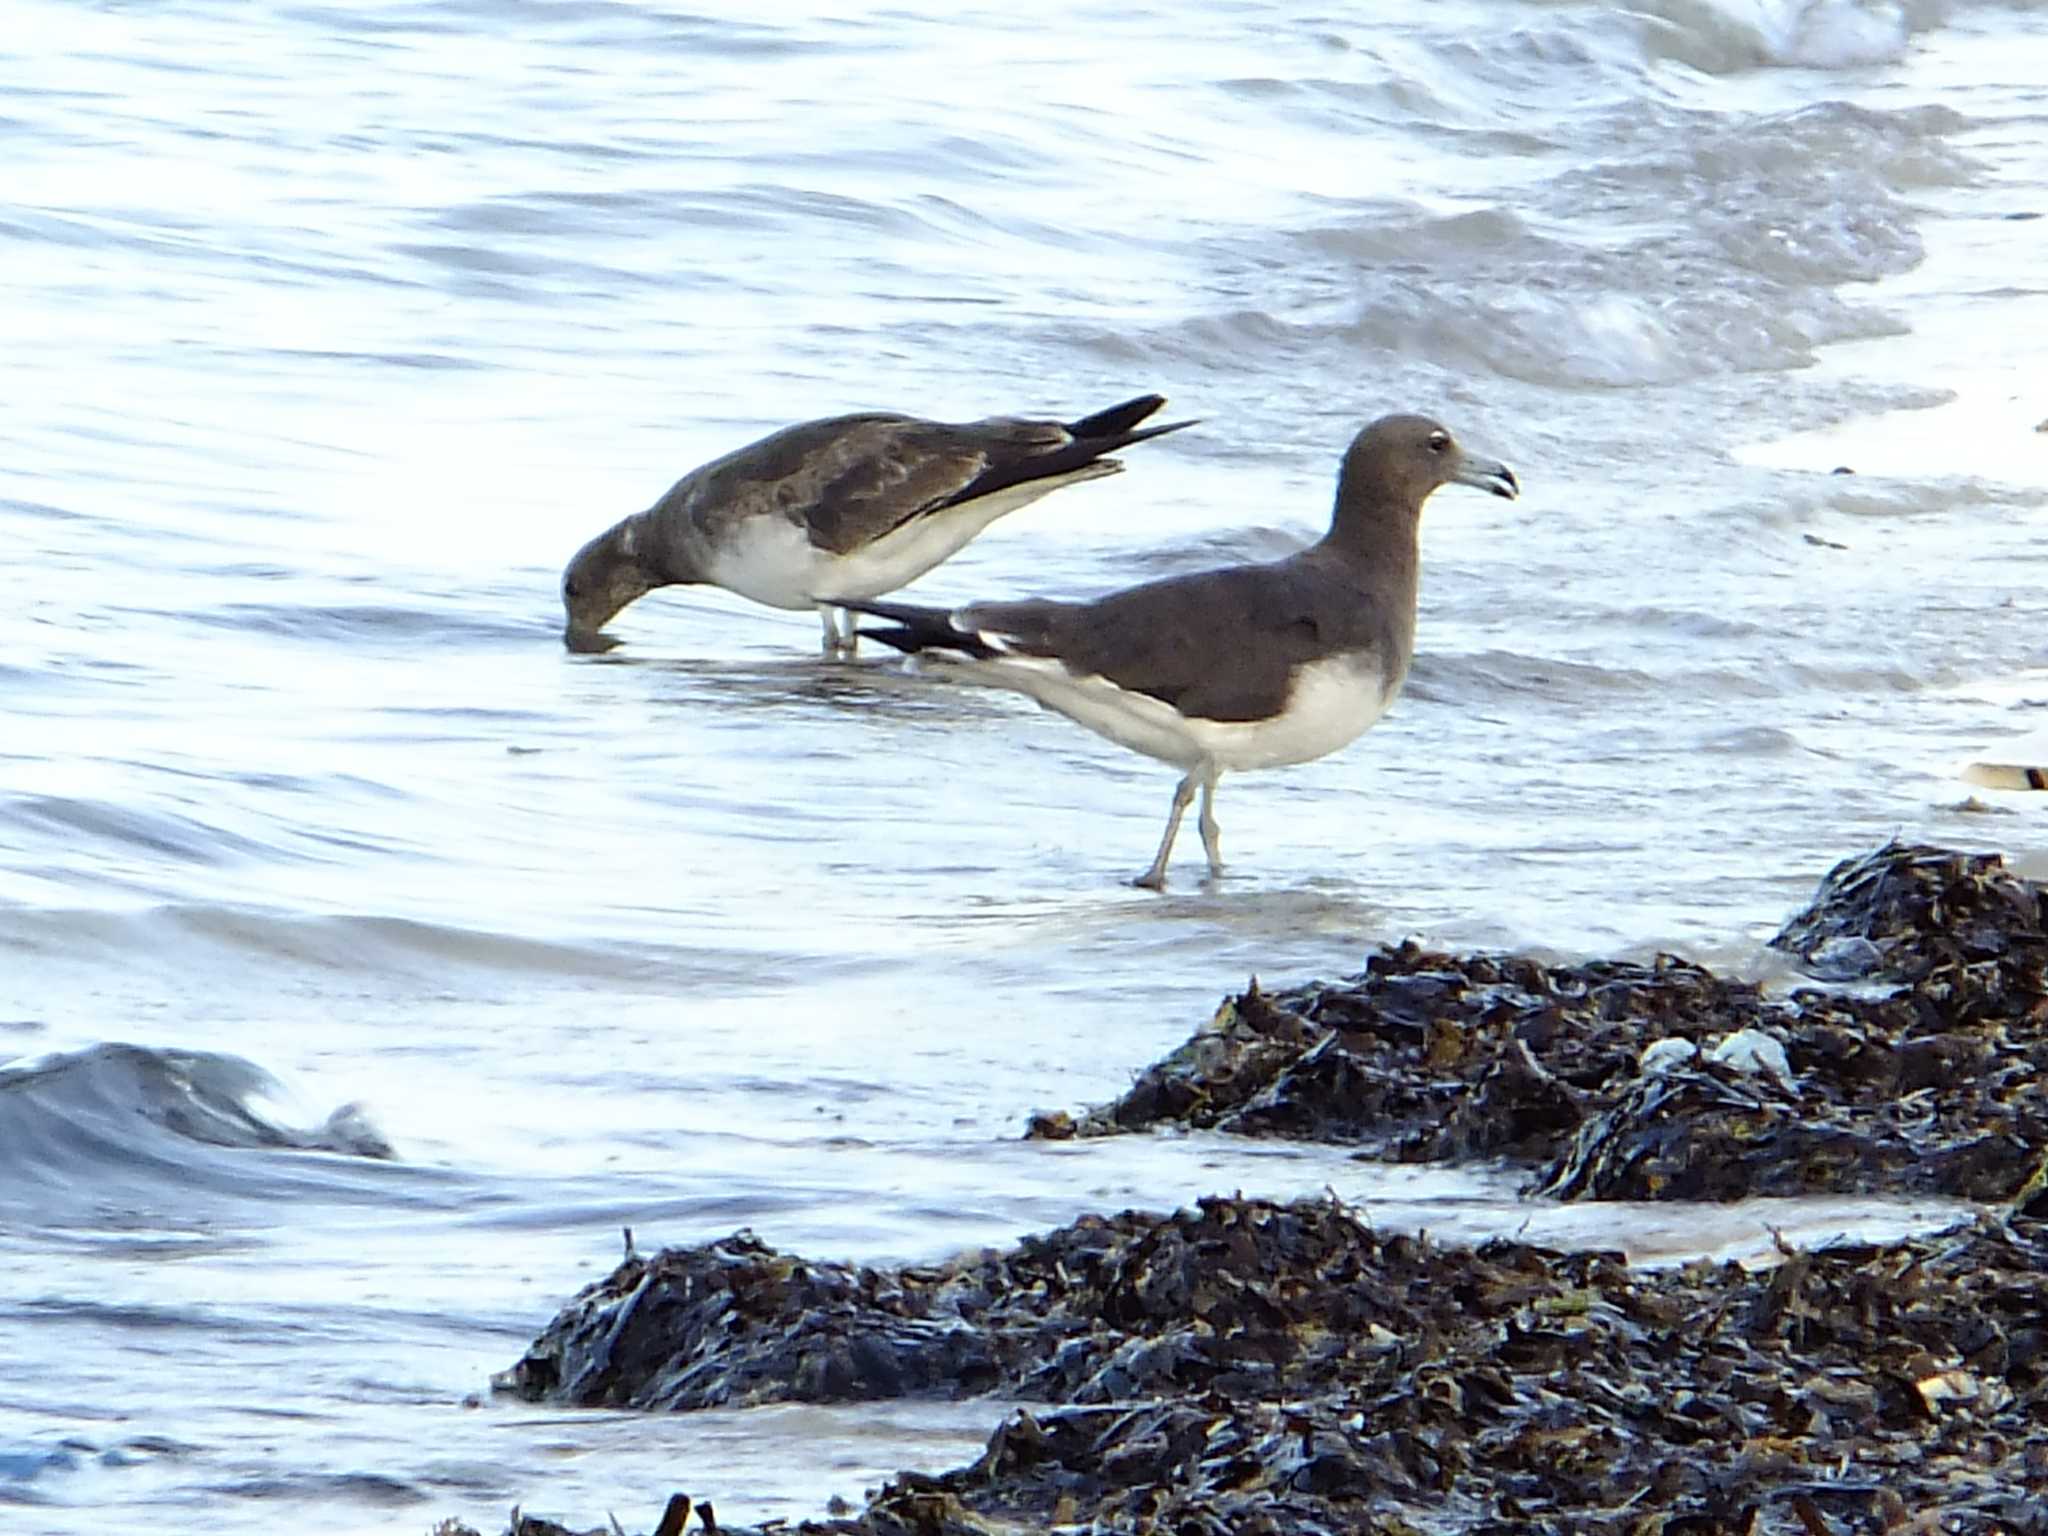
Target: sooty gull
point(847, 507)
point(1250, 666)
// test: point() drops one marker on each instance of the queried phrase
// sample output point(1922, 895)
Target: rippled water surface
point(367, 962)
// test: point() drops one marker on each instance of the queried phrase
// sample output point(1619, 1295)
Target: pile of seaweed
point(1662, 1080)
point(1255, 1367)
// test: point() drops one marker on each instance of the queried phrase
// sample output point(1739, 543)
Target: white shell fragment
point(1754, 1051)
point(1667, 1055)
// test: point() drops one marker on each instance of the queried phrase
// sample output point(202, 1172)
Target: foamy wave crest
point(1725, 36)
point(1722, 245)
point(105, 1123)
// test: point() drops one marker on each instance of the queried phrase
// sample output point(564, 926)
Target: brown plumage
point(1244, 667)
point(848, 507)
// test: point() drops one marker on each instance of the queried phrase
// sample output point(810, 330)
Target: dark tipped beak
point(1489, 475)
point(587, 642)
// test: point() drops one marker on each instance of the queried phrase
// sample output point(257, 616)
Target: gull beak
point(1488, 475)
point(587, 642)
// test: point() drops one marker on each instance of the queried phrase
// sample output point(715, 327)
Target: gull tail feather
point(1081, 456)
point(913, 629)
point(1117, 427)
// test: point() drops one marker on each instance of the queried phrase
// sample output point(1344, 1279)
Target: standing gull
point(845, 508)
point(1251, 666)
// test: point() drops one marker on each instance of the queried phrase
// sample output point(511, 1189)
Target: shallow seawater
point(334, 332)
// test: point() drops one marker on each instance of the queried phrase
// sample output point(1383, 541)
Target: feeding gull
point(845, 508)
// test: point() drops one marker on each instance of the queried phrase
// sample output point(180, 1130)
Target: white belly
point(1333, 703)
point(905, 553)
point(772, 560)
point(768, 559)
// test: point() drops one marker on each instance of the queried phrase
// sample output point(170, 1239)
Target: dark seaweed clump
point(1256, 1367)
point(1926, 1083)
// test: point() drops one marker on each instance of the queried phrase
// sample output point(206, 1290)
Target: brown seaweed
point(1261, 1369)
point(1248, 1366)
point(1925, 1084)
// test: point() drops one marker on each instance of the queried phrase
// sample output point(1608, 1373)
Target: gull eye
point(1439, 441)
point(569, 588)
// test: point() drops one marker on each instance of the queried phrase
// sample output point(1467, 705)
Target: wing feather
point(1159, 638)
point(850, 480)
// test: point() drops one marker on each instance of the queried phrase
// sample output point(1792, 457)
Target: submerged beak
point(588, 642)
point(1488, 475)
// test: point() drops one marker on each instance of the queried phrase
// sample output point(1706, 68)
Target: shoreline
point(1250, 1364)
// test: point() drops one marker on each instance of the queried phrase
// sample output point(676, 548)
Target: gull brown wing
point(846, 480)
point(850, 480)
point(1160, 638)
point(919, 468)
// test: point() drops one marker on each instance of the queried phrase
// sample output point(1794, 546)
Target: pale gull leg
point(1154, 879)
point(1212, 834)
point(841, 638)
